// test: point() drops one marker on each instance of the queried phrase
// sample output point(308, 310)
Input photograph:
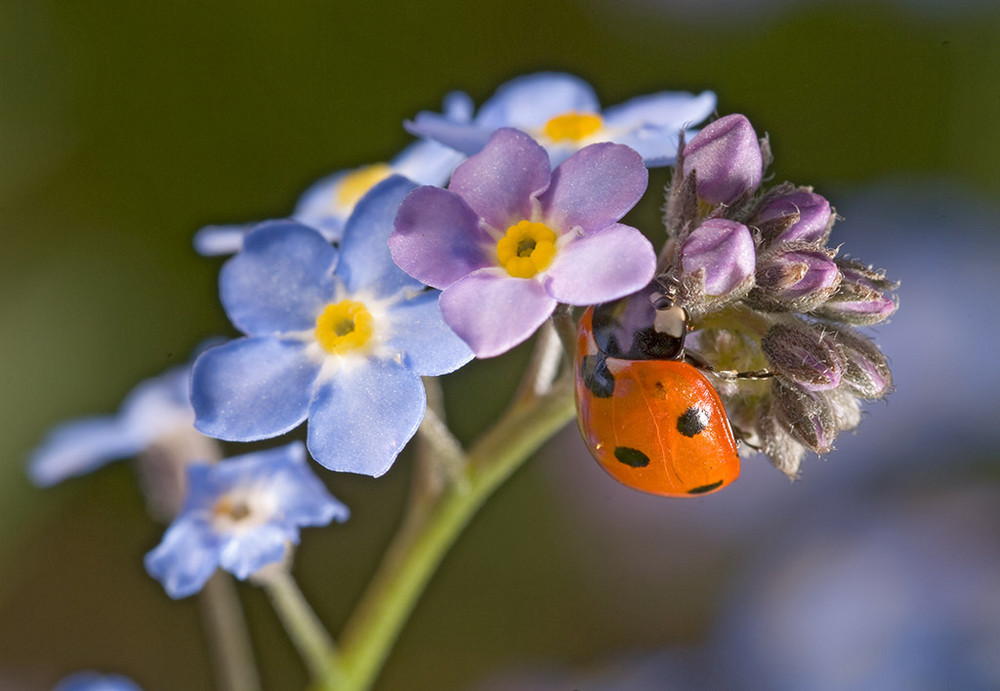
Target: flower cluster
point(765, 292)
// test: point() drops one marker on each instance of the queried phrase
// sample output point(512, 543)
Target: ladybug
point(651, 419)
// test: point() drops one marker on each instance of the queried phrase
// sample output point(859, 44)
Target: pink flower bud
point(724, 251)
point(726, 160)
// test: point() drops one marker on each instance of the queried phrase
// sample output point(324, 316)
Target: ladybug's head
point(646, 325)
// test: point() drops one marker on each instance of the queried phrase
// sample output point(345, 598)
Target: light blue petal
point(185, 559)
point(429, 345)
point(463, 137)
point(318, 209)
point(244, 552)
point(280, 281)
point(365, 261)
point(656, 145)
point(670, 109)
point(213, 241)
point(532, 100)
point(158, 406)
point(302, 497)
point(79, 447)
point(363, 417)
point(427, 162)
point(252, 388)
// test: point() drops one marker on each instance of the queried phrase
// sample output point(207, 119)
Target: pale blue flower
point(155, 411)
point(563, 114)
point(340, 337)
point(92, 681)
point(241, 514)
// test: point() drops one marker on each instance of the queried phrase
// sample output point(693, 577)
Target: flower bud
point(799, 216)
point(861, 297)
point(722, 253)
point(806, 415)
point(795, 278)
point(866, 371)
point(804, 355)
point(726, 160)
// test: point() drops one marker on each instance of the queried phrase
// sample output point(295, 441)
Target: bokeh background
point(124, 127)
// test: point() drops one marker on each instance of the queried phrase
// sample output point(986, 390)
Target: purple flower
point(510, 238)
point(722, 253)
point(241, 514)
point(339, 338)
point(799, 216)
point(796, 277)
point(157, 411)
point(726, 160)
point(563, 114)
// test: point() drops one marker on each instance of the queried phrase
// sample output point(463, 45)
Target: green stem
point(232, 653)
point(415, 554)
point(310, 638)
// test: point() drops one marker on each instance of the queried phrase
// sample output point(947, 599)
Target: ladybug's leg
point(727, 374)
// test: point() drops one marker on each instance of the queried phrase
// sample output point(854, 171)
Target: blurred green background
point(126, 126)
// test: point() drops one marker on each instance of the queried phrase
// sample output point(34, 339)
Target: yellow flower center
point(344, 326)
point(527, 248)
point(573, 126)
point(354, 185)
point(235, 511)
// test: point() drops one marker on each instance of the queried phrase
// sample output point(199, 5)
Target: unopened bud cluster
point(765, 291)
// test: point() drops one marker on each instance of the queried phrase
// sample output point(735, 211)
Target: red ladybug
point(652, 420)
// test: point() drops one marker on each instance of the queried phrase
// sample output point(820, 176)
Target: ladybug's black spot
point(693, 421)
point(631, 457)
point(705, 488)
point(596, 376)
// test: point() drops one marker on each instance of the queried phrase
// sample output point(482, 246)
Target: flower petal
point(532, 100)
point(185, 559)
point(600, 267)
point(463, 137)
point(675, 109)
point(214, 241)
point(430, 347)
point(594, 188)
point(79, 447)
point(427, 163)
point(493, 313)
point(319, 208)
point(363, 416)
point(501, 182)
point(280, 281)
point(245, 552)
point(437, 238)
point(252, 388)
point(365, 262)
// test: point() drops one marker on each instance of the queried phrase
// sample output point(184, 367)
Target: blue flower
point(92, 681)
point(328, 203)
point(343, 345)
point(157, 411)
point(241, 514)
point(563, 114)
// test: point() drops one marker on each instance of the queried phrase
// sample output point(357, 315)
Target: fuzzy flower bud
point(807, 415)
point(799, 216)
point(722, 252)
point(725, 157)
point(861, 298)
point(795, 278)
point(803, 354)
point(866, 370)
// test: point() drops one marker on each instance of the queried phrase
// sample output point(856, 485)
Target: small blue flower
point(92, 681)
point(562, 113)
point(241, 514)
point(155, 411)
point(343, 345)
point(328, 203)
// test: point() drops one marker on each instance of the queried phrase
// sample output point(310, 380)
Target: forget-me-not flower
point(328, 202)
point(241, 514)
point(510, 238)
point(338, 337)
point(156, 412)
point(563, 114)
